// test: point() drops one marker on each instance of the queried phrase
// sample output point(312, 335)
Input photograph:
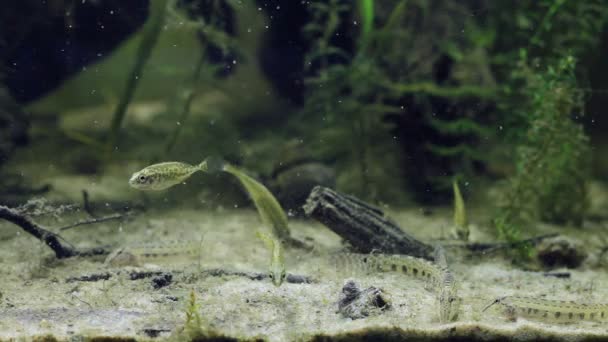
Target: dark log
point(365, 227)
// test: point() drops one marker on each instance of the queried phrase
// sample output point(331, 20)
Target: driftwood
point(365, 227)
point(61, 248)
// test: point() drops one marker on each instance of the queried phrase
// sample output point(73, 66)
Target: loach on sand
point(437, 276)
point(547, 310)
point(139, 254)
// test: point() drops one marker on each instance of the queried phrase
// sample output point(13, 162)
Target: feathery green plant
point(553, 161)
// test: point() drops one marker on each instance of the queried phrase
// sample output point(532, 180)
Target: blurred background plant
point(390, 100)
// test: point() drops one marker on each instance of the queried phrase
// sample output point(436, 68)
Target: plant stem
point(150, 35)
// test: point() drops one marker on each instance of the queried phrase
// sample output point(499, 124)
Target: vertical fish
point(461, 225)
point(277, 260)
point(268, 207)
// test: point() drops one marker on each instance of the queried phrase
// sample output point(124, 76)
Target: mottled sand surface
point(37, 299)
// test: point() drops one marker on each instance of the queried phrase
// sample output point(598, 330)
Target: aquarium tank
point(319, 170)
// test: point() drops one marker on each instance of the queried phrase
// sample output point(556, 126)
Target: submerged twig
point(562, 275)
point(94, 220)
point(54, 241)
point(86, 204)
point(213, 272)
point(291, 278)
point(489, 247)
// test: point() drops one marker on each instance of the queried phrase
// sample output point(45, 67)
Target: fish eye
point(142, 178)
point(271, 276)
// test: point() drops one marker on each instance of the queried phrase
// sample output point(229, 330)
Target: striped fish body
point(556, 311)
point(438, 279)
point(370, 263)
point(136, 255)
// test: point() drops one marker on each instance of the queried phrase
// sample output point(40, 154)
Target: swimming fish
point(277, 260)
point(551, 310)
point(164, 175)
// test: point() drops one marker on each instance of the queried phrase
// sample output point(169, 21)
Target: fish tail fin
point(212, 164)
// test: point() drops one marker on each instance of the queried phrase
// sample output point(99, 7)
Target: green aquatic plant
point(553, 159)
point(194, 325)
point(366, 10)
point(366, 97)
point(342, 90)
point(150, 35)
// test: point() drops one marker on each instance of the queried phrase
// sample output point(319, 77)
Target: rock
point(560, 251)
point(355, 303)
point(162, 280)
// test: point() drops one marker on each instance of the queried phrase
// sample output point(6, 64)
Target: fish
point(277, 271)
point(164, 175)
point(461, 225)
point(139, 254)
point(271, 212)
point(548, 310)
point(437, 278)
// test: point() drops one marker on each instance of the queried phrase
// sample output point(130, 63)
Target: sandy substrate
point(38, 298)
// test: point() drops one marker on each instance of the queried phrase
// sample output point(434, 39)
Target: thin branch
point(54, 241)
point(94, 220)
point(86, 204)
point(488, 247)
